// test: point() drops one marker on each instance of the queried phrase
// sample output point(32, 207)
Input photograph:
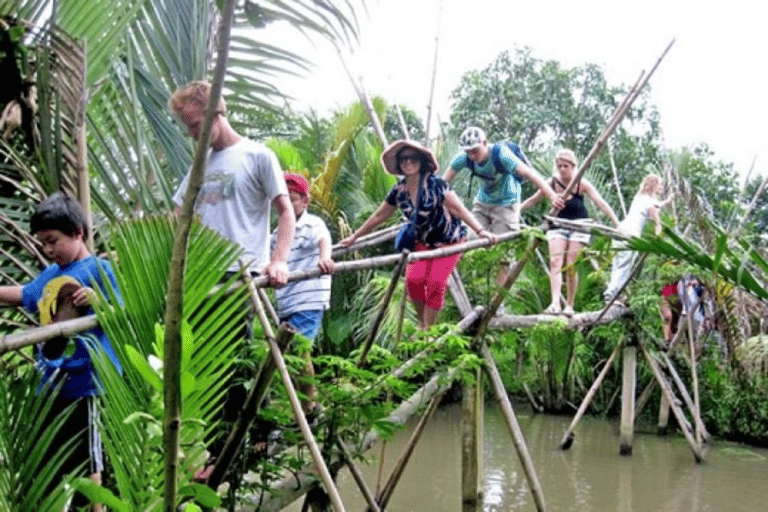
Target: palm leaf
point(28, 467)
point(132, 406)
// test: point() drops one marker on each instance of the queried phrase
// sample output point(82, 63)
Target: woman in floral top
point(438, 223)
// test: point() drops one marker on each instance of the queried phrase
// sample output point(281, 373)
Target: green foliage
point(133, 404)
point(732, 407)
point(28, 461)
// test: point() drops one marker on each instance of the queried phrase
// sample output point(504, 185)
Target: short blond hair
point(650, 184)
point(568, 156)
point(194, 93)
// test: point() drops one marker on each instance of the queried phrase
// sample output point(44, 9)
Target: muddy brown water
point(660, 475)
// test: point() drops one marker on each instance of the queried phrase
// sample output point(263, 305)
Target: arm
point(533, 200)
point(277, 268)
point(653, 214)
point(384, 211)
point(596, 198)
point(544, 189)
point(10, 295)
point(457, 209)
point(449, 174)
point(325, 262)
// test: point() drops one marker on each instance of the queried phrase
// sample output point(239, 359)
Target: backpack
point(496, 157)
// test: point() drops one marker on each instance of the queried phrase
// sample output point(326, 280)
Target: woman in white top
point(645, 206)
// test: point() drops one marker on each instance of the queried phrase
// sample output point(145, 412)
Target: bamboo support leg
point(628, 399)
point(514, 428)
point(268, 306)
point(642, 400)
point(399, 269)
point(367, 494)
point(386, 493)
point(567, 440)
point(301, 419)
point(695, 377)
point(248, 411)
point(673, 403)
point(472, 411)
point(686, 396)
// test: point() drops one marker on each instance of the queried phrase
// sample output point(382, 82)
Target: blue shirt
point(497, 188)
point(75, 369)
point(435, 225)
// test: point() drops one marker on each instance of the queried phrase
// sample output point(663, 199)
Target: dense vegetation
point(137, 155)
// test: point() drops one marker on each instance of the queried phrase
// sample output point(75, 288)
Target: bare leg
point(503, 273)
point(420, 314)
point(666, 316)
point(557, 248)
point(430, 316)
point(572, 277)
point(307, 388)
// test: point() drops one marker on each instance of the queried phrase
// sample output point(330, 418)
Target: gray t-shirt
point(239, 185)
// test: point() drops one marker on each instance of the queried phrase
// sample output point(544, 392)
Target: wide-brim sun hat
point(389, 155)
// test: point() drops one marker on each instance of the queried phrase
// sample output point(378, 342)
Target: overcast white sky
point(710, 88)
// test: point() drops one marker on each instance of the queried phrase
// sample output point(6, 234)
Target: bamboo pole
point(662, 422)
point(248, 411)
point(645, 395)
point(401, 119)
point(684, 393)
point(35, 335)
point(567, 440)
point(358, 476)
point(695, 378)
point(629, 381)
point(374, 330)
point(752, 204)
point(514, 428)
point(670, 397)
point(397, 472)
point(616, 179)
point(434, 76)
point(365, 101)
point(175, 295)
point(267, 303)
point(301, 419)
point(472, 413)
point(81, 156)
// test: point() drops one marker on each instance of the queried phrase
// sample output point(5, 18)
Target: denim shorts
point(307, 323)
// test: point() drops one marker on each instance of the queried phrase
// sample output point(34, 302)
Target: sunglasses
point(413, 158)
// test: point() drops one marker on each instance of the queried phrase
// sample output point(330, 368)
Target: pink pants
point(426, 280)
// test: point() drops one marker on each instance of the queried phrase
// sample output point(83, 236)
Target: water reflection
point(661, 474)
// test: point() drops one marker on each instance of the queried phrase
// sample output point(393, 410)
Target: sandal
point(568, 311)
point(553, 309)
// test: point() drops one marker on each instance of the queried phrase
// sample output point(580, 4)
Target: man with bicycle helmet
point(497, 204)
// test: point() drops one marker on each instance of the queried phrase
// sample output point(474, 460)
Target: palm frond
point(133, 403)
point(28, 461)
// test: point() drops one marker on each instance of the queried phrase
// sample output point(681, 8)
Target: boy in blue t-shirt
point(65, 290)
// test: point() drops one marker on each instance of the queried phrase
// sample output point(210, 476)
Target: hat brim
point(389, 155)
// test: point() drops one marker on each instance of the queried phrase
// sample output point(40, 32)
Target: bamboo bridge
point(475, 322)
